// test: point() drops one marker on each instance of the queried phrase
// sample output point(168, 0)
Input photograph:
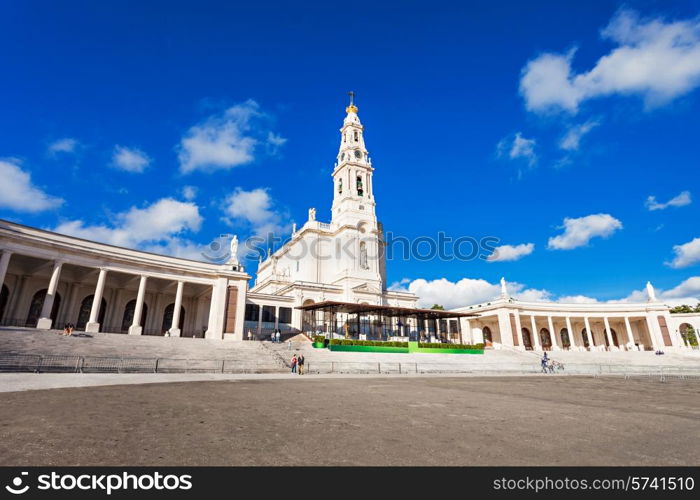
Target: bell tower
point(353, 198)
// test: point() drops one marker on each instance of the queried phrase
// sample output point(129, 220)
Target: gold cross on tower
point(351, 107)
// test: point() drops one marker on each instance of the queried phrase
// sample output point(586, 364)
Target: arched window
point(4, 295)
point(527, 341)
point(565, 341)
point(355, 135)
point(585, 338)
point(168, 318)
point(360, 188)
point(340, 185)
point(688, 334)
point(545, 339)
point(613, 334)
point(84, 313)
point(488, 337)
point(37, 304)
point(128, 317)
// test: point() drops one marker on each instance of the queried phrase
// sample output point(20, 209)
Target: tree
point(438, 307)
point(689, 336)
point(685, 309)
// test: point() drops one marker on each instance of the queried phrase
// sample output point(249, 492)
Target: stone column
point(93, 325)
point(630, 334)
point(535, 334)
point(504, 327)
point(175, 326)
point(519, 327)
point(15, 300)
point(467, 329)
point(552, 334)
point(4, 263)
point(572, 333)
point(652, 332)
point(135, 328)
point(608, 333)
point(45, 320)
point(588, 333)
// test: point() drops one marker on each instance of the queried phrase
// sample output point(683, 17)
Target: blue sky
point(159, 125)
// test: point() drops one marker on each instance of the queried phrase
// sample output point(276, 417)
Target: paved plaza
point(357, 421)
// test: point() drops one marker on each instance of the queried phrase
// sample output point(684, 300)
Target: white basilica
point(49, 279)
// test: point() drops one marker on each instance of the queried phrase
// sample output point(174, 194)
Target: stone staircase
point(251, 355)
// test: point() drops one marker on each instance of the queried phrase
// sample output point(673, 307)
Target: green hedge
point(319, 338)
point(440, 345)
point(376, 343)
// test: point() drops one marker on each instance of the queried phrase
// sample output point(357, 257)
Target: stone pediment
point(366, 288)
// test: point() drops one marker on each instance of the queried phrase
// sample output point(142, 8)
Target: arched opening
point(527, 340)
point(168, 318)
point(545, 340)
point(689, 335)
point(37, 304)
point(565, 340)
point(84, 313)
point(360, 188)
point(308, 319)
point(128, 317)
point(488, 336)
point(4, 296)
point(613, 334)
point(584, 337)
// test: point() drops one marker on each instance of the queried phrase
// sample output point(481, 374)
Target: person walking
point(300, 362)
point(294, 363)
point(278, 335)
point(544, 362)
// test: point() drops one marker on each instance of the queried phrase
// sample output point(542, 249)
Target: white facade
point(341, 260)
point(49, 279)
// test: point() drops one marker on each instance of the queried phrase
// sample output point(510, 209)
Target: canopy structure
point(381, 322)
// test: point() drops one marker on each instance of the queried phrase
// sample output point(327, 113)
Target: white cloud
point(465, 292)
point(687, 254)
point(66, 145)
point(656, 59)
point(255, 209)
point(189, 192)
point(578, 232)
point(518, 147)
point(18, 193)
point(572, 139)
point(577, 299)
point(226, 140)
point(253, 206)
point(157, 225)
point(511, 252)
point(677, 201)
point(130, 159)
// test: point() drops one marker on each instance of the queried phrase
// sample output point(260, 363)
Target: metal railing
point(49, 363)
point(594, 370)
